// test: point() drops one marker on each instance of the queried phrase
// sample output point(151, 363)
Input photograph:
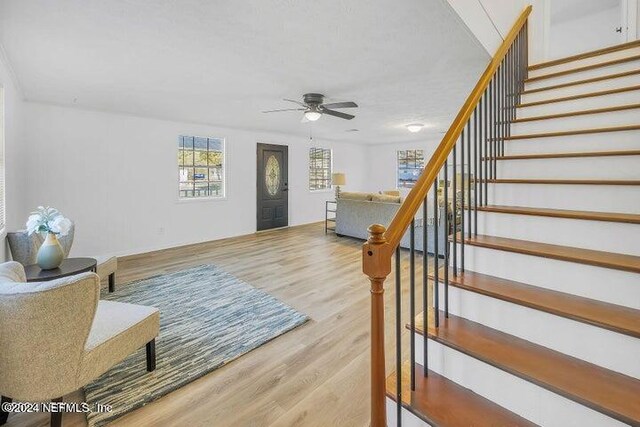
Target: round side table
point(69, 267)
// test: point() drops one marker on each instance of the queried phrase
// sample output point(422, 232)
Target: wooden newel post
point(376, 263)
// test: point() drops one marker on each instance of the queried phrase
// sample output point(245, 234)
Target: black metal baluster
point(505, 106)
point(471, 173)
point(455, 208)
point(412, 300)
point(486, 143)
point(500, 118)
point(496, 122)
point(479, 184)
point(398, 340)
point(436, 258)
point(447, 229)
point(510, 93)
point(477, 159)
point(425, 285)
point(513, 86)
point(463, 224)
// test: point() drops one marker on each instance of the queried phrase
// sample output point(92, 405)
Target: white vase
point(50, 254)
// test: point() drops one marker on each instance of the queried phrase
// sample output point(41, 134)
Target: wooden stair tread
point(581, 82)
point(578, 113)
point(584, 68)
point(579, 96)
point(611, 260)
point(585, 55)
point(603, 390)
point(573, 132)
point(623, 320)
point(441, 402)
point(564, 181)
point(564, 213)
point(565, 155)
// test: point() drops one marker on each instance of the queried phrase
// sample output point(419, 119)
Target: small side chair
point(57, 336)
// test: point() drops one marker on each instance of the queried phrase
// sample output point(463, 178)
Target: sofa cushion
point(391, 192)
point(352, 195)
point(385, 198)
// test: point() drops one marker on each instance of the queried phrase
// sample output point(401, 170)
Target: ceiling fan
point(313, 107)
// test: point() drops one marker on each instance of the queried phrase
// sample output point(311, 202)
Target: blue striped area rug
point(207, 319)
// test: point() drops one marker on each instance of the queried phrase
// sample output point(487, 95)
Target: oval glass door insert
point(272, 175)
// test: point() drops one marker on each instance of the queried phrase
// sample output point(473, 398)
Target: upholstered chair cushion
point(118, 330)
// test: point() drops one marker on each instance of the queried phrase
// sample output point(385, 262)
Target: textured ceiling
point(222, 62)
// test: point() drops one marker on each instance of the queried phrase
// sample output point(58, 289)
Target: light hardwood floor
point(316, 375)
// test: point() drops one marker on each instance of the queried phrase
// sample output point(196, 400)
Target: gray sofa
point(353, 217)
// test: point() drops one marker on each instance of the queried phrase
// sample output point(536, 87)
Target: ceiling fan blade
point(337, 114)
point(296, 102)
point(341, 105)
point(284, 109)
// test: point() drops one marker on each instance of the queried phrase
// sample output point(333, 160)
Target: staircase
point(535, 319)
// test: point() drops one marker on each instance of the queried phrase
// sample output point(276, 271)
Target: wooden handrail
point(409, 208)
point(378, 250)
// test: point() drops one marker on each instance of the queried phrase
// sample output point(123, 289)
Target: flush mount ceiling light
point(415, 127)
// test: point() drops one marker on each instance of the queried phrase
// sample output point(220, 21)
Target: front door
point(273, 186)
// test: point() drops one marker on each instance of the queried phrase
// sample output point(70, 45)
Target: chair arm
point(12, 271)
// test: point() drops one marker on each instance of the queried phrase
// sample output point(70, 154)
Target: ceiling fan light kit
point(313, 106)
point(312, 115)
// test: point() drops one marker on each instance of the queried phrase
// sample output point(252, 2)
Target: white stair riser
point(592, 102)
point(605, 284)
point(623, 167)
point(590, 343)
point(596, 235)
point(517, 395)
point(589, 121)
point(610, 198)
point(408, 418)
point(582, 75)
point(606, 141)
point(579, 89)
point(587, 61)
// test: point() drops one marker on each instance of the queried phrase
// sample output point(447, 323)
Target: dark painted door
point(273, 186)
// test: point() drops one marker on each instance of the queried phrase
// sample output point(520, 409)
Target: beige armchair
point(57, 336)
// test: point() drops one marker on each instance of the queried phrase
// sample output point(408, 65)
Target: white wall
point(115, 175)
point(491, 20)
point(15, 153)
point(590, 32)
